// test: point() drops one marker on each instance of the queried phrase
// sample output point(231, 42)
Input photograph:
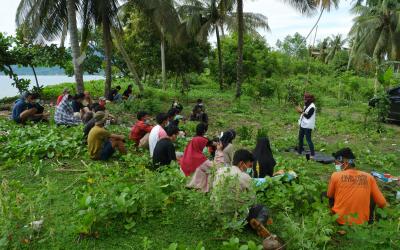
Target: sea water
point(7, 90)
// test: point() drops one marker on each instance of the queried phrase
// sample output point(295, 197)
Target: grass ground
point(33, 185)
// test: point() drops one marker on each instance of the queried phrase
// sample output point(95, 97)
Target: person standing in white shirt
point(307, 123)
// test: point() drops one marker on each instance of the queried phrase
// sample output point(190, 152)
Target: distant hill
point(42, 71)
point(39, 71)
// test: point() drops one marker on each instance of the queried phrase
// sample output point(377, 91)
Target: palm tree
point(102, 13)
point(166, 20)
point(376, 32)
point(203, 18)
point(336, 44)
point(74, 40)
point(239, 66)
point(46, 19)
point(323, 47)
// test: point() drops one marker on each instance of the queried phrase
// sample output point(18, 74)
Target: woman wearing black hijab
point(264, 161)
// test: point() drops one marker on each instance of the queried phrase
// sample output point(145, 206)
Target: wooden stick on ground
point(73, 183)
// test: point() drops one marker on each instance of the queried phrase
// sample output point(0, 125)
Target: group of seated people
point(350, 191)
point(115, 96)
point(77, 109)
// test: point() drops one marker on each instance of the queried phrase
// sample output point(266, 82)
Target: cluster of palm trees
point(330, 46)
point(375, 35)
point(175, 19)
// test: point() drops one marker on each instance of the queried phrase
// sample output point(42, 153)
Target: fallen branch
point(73, 183)
point(84, 163)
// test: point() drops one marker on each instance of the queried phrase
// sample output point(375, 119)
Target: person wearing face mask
point(307, 123)
point(100, 105)
point(241, 164)
point(141, 130)
point(158, 132)
point(164, 152)
point(238, 181)
point(27, 109)
point(353, 192)
point(101, 143)
point(64, 114)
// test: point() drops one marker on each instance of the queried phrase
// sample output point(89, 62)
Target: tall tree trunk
point(221, 25)
point(64, 35)
point(220, 63)
point(239, 72)
point(107, 55)
point(128, 61)
point(74, 40)
point(34, 73)
point(350, 59)
point(377, 54)
point(163, 73)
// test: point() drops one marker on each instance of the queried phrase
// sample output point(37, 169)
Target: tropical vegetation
point(163, 48)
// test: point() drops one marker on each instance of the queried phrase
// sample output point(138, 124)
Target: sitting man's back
point(352, 191)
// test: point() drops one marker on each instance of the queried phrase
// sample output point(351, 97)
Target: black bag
point(258, 212)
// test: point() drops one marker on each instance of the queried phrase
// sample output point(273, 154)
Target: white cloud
point(7, 15)
point(284, 20)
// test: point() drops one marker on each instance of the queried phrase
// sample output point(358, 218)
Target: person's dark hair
point(79, 96)
point(201, 129)
point(172, 130)
point(130, 86)
point(242, 155)
point(118, 87)
point(162, 117)
point(345, 153)
point(35, 95)
point(141, 114)
point(31, 94)
point(173, 112)
point(227, 137)
point(309, 97)
point(199, 100)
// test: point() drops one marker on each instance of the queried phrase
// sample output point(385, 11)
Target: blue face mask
point(249, 171)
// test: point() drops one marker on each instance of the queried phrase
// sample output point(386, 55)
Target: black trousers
point(307, 133)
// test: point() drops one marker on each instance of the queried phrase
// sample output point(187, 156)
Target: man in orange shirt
point(352, 190)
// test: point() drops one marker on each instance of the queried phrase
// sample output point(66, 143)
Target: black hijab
point(264, 158)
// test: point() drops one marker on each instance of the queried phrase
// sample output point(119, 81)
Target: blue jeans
point(117, 98)
point(107, 151)
point(305, 132)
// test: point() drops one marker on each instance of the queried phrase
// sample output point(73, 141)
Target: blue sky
point(282, 19)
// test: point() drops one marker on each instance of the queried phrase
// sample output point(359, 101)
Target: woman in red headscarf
point(194, 161)
point(307, 123)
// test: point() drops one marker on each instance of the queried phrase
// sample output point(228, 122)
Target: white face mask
point(249, 171)
point(107, 123)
